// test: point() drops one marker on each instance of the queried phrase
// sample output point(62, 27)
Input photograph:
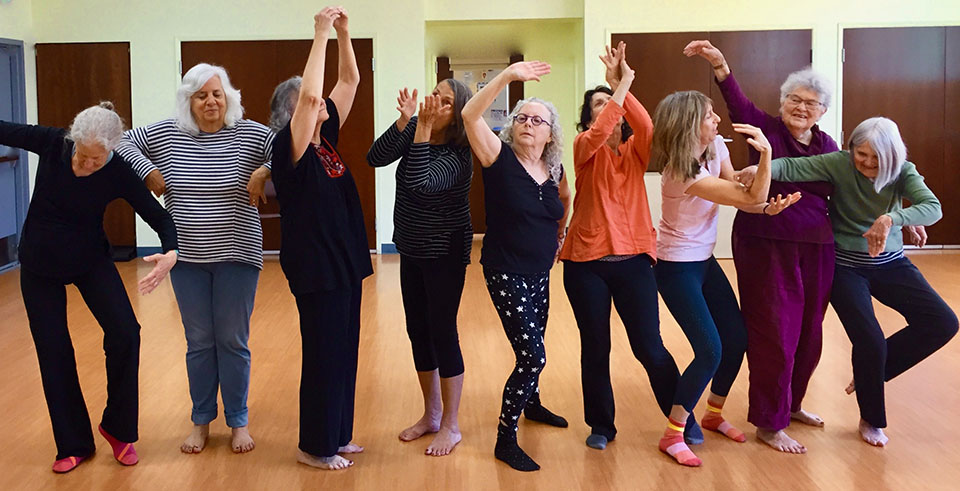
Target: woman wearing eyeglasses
point(527, 199)
point(785, 262)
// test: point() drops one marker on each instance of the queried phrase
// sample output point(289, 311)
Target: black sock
point(508, 451)
point(540, 414)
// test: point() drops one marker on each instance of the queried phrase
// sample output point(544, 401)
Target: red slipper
point(68, 464)
point(123, 452)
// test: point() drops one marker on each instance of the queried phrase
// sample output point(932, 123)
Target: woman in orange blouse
point(610, 248)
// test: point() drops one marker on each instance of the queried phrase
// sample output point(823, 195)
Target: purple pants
point(784, 289)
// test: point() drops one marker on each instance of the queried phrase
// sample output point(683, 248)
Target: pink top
point(688, 224)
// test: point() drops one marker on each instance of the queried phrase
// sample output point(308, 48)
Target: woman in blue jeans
point(697, 178)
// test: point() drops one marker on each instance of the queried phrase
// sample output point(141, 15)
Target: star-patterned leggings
point(522, 301)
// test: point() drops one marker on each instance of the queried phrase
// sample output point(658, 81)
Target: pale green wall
point(409, 34)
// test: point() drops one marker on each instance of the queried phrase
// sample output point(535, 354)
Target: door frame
point(19, 109)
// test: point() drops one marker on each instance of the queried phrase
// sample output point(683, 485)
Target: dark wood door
point(72, 77)
point(900, 73)
point(256, 67)
point(761, 61)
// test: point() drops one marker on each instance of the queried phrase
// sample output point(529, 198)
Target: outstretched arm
point(304, 121)
point(348, 78)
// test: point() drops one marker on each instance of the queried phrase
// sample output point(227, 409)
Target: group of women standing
point(819, 225)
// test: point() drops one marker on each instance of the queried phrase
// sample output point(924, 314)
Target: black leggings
point(431, 290)
point(330, 331)
point(522, 301)
point(45, 300)
point(632, 286)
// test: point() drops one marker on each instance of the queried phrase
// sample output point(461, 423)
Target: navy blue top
point(522, 217)
point(63, 234)
point(323, 238)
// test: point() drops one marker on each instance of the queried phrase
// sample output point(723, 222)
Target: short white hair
point(97, 124)
point(883, 135)
point(808, 78)
point(553, 151)
point(193, 81)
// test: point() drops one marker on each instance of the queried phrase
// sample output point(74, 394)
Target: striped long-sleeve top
point(433, 192)
point(206, 177)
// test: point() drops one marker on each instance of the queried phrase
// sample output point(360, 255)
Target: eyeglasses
point(809, 103)
point(534, 120)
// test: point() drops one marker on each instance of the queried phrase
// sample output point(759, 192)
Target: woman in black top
point(527, 199)
point(64, 242)
point(324, 245)
point(433, 235)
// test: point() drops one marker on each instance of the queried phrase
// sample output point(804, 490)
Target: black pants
point(431, 290)
point(930, 324)
point(330, 331)
point(45, 300)
point(522, 301)
point(631, 285)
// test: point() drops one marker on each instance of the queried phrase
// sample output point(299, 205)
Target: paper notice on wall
point(476, 79)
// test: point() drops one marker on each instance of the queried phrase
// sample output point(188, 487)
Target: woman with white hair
point(784, 262)
point(200, 162)
point(64, 243)
point(870, 180)
point(527, 199)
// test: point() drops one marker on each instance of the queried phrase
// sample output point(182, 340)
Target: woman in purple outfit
point(785, 262)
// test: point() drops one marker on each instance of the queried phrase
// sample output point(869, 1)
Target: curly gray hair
point(553, 151)
point(283, 102)
point(808, 78)
point(883, 136)
point(193, 80)
point(97, 124)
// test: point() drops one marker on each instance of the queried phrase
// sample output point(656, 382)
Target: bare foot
point(422, 427)
point(850, 388)
point(444, 442)
point(350, 448)
point(807, 418)
point(196, 440)
point(780, 441)
point(241, 441)
point(333, 463)
point(873, 436)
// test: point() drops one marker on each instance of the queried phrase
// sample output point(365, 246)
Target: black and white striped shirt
point(206, 177)
point(433, 192)
point(857, 259)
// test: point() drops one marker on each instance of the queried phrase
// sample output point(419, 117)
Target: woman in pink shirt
point(697, 178)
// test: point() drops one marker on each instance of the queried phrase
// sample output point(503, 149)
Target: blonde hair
point(97, 124)
point(676, 135)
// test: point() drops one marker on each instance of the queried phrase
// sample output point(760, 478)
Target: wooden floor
point(924, 451)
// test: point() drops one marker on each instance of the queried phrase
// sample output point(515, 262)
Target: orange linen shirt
point(611, 214)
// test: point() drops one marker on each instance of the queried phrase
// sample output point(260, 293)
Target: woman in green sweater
point(871, 179)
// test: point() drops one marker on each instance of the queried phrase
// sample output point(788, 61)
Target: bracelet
point(764, 211)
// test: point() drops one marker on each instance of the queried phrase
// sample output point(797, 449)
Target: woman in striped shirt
point(871, 179)
point(433, 235)
point(204, 162)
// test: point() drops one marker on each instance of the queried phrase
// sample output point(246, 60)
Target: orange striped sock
point(714, 421)
point(673, 445)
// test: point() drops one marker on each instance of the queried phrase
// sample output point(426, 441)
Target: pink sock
point(123, 452)
point(714, 421)
point(673, 445)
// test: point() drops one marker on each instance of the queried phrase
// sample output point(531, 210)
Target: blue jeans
point(876, 357)
point(702, 301)
point(216, 300)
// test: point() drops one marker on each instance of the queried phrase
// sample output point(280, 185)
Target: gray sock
point(596, 441)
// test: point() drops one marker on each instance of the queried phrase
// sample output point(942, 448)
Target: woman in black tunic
point(64, 243)
point(324, 245)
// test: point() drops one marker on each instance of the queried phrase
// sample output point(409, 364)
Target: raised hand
point(407, 105)
point(625, 71)
point(612, 63)
point(778, 204)
point(525, 71)
point(876, 235)
point(165, 263)
point(705, 50)
point(323, 21)
point(430, 109)
point(756, 138)
point(340, 23)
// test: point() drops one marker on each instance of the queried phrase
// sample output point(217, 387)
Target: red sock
point(714, 421)
point(673, 445)
point(123, 452)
